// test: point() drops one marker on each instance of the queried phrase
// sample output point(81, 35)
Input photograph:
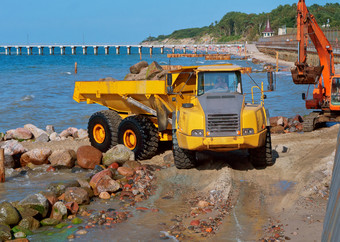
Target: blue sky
point(115, 21)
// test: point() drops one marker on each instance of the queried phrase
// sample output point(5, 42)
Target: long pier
point(51, 49)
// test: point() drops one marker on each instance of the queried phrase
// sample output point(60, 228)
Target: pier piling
point(51, 50)
point(117, 50)
point(106, 48)
point(62, 50)
point(73, 50)
point(18, 50)
point(84, 50)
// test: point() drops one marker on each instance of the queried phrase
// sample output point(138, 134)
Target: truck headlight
point(248, 131)
point(197, 132)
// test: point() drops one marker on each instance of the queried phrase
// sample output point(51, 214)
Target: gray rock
point(8, 214)
point(34, 130)
point(43, 138)
point(281, 149)
point(132, 164)
point(5, 232)
point(60, 188)
point(54, 136)
point(81, 134)
point(119, 154)
point(136, 68)
point(64, 158)
point(49, 222)
point(107, 184)
point(153, 69)
point(108, 79)
point(59, 211)
point(65, 133)
point(77, 194)
point(19, 235)
point(29, 223)
point(83, 183)
point(13, 147)
point(9, 134)
point(36, 201)
point(50, 129)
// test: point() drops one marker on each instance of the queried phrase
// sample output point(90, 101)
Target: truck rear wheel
point(103, 129)
point(262, 157)
point(140, 135)
point(184, 159)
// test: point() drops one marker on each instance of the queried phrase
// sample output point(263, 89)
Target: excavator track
point(309, 121)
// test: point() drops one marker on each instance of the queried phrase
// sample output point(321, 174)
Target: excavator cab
point(304, 74)
point(335, 92)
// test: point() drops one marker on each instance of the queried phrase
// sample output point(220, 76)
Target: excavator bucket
point(304, 74)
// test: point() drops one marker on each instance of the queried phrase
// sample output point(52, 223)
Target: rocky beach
point(58, 187)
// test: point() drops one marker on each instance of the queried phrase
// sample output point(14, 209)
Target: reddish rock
point(114, 165)
point(298, 118)
point(73, 207)
point(195, 223)
point(34, 130)
point(88, 157)
point(96, 178)
point(50, 168)
point(277, 129)
point(203, 204)
point(51, 197)
point(285, 122)
point(64, 158)
point(13, 147)
point(273, 121)
point(77, 194)
point(299, 127)
point(141, 208)
point(126, 171)
point(106, 184)
point(153, 69)
point(22, 133)
point(36, 157)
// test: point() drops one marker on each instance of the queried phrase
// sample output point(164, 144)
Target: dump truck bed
point(113, 94)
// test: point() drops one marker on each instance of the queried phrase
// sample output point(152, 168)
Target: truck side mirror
point(303, 96)
point(169, 79)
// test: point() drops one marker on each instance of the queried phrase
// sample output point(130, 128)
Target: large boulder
point(43, 138)
point(50, 129)
point(64, 158)
point(29, 223)
point(77, 194)
point(36, 157)
point(88, 157)
point(9, 161)
point(106, 184)
point(153, 69)
point(36, 201)
point(119, 154)
point(8, 214)
point(22, 134)
point(54, 136)
point(136, 68)
point(34, 130)
point(59, 211)
point(9, 134)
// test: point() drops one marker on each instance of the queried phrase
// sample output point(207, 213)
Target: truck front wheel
point(103, 129)
point(140, 135)
point(262, 157)
point(184, 159)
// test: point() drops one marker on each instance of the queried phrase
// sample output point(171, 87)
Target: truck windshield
point(219, 82)
point(335, 95)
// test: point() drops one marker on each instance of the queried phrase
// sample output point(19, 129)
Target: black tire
point(262, 157)
point(110, 121)
point(184, 159)
point(146, 135)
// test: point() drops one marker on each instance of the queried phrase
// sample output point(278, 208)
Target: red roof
point(268, 29)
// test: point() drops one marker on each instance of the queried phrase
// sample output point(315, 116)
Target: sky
point(115, 21)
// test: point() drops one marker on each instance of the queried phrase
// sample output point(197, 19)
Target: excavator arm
point(303, 73)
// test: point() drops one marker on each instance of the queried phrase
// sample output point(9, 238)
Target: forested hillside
point(237, 25)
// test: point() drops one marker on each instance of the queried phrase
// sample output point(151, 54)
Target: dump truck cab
point(211, 113)
point(198, 108)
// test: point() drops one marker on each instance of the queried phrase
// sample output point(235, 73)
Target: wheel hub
point(130, 139)
point(99, 133)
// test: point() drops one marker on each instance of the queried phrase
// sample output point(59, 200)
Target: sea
point(38, 89)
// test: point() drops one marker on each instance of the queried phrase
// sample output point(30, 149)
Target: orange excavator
point(326, 93)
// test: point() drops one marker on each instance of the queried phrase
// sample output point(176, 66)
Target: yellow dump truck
point(199, 108)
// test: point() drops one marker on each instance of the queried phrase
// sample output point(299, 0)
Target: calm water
point(38, 89)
